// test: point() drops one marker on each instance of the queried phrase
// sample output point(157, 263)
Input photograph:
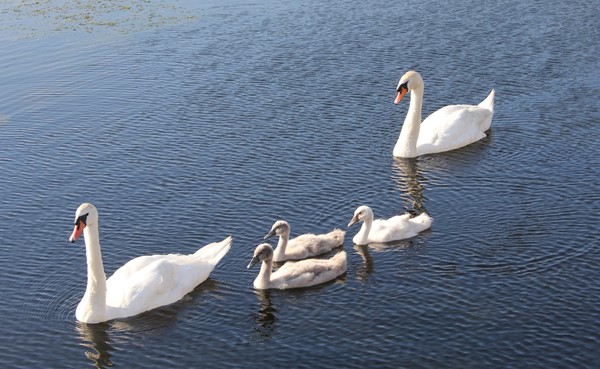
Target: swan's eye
point(81, 219)
point(403, 86)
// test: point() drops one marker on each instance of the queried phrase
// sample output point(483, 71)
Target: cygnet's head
point(281, 227)
point(86, 215)
point(362, 213)
point(263, 252)
point(411, 80)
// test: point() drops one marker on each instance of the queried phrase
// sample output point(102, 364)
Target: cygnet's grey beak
point(270, 234)
point(354, 220)
point(253, 262)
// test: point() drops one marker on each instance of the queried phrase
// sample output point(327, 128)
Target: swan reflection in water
point(96, 337)
point(363, 272)
point(412, 174)
point(265, 318)
point(96, 341)
point(409, 179)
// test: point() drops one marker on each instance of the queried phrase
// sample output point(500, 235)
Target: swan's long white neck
point(365, 229)
point(263, 279)
point(94, 299)
point(279, 253)
point(406, 146)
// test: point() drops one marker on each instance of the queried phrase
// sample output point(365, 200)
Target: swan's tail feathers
point(338, 236)
point(339, 262)
point(488, 103)
point(214, 252)
point(423, 221)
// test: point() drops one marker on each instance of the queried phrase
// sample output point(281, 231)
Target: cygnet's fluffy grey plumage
point(295, 274)
point(395, 228)
point(303, 246)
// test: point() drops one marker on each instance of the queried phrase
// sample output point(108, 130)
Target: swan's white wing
point(124, 273)
point(385, 230)
point(452, 127)
point(159, 280)
point(214, 252)
point(147, 282)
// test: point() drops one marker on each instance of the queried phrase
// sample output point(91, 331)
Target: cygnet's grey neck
point(281, 246)
point(264, 276)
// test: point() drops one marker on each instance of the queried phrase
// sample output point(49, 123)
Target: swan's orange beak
point(77, 230)
point(401, 92)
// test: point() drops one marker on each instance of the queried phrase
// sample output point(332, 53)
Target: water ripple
point(254, 112)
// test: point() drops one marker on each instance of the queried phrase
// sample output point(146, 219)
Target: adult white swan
point(395, 228)
point(305, 245)
point(295, 274)
point(448, 128)
point(143, 283)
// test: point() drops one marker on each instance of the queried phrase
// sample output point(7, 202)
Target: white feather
point(143, 283)
point(448, 128)
point(396, 228)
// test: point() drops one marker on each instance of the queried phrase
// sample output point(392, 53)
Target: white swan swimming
point(143, 283)
point(305, 245)
point(295, 274)
point(448, 128)
point(395, 228)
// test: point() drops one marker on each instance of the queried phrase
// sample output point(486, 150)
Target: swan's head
point(410, 81)
point(263, 252)
point(281, 227)
point(362, 213)
point(85, 215)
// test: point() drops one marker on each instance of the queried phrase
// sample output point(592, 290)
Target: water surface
point(227, 116)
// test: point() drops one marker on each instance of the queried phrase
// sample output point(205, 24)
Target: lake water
point(184, 123)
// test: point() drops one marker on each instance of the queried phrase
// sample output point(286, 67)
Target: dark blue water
point(185, 123)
